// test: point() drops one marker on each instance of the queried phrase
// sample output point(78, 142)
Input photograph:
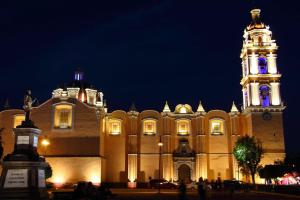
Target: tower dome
point(256, 20)
point(81, 90)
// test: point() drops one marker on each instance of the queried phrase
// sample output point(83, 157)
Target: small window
point(63, 117)
point(149, 127)
point(18, 120)
point(217, 127)
point(115, 127)
point(183, 127)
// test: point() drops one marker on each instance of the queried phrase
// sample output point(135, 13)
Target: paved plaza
point(173, 194)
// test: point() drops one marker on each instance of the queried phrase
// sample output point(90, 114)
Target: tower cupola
point(81, 90)
point(261, 80)
point(78, 75)
point(256, 20)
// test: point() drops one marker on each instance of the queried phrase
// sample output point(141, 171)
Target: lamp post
point(160, 144)
point(45, 142)
point(238, 172)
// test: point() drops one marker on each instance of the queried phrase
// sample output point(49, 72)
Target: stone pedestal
point(23, 174)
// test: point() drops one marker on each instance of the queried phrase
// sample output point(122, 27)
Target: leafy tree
point(270, 172)
point(248, 153)
point(48, 171)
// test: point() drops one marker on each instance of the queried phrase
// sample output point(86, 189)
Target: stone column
point(255, 94)
point(253, 59)
point(272, 66)
point(275, 94)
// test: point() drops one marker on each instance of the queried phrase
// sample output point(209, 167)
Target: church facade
point(83, 141)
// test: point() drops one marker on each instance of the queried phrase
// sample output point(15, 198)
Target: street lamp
point(45, 142)
point(160, 144)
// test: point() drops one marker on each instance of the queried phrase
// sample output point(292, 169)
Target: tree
point(270, 172)
point(248, 153)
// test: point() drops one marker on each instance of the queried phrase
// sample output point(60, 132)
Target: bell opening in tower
point(262, 65)
point(264, 95)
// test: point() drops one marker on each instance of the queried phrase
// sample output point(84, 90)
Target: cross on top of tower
point(78, 76)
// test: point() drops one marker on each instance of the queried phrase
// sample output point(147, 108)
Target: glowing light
point(183, 110)
point(58, 181)
point(149, 127)
point(82, 97)
point(183, 127)
point(45, 142)
point(95, 179)
point(115, 127)
point(131, 184)
point(63, 116)
point(160, 144)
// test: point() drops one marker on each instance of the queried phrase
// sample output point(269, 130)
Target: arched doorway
point(184, 172)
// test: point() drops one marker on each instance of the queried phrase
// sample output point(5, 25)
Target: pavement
point(148, 194)
point(171, 194)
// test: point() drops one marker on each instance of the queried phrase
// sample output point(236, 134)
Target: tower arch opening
point(264, 92)
point(262, 65)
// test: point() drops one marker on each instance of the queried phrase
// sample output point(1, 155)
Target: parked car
point(192, 185)
point(163, 184)
point(233, 184)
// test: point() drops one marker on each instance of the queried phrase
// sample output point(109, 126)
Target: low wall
point(74, 169)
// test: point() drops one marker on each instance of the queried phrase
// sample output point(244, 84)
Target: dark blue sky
point(144, 51)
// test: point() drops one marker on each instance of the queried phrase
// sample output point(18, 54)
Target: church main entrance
point(184, 173)
point(184, 162)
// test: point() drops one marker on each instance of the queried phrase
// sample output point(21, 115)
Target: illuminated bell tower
point(260, 75)
point(262, 104)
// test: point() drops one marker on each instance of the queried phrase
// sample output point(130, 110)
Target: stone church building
point(83, 141)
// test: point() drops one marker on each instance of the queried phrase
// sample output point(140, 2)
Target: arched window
point(264, 92)
point(217, 126)
point(115, 126)
point(149, 126)
point(63, 117)
point(262, 65)
point(183, 127)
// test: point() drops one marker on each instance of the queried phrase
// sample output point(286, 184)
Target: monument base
point(23, 180)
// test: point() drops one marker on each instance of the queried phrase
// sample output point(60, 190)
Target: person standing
point(182, 190)
point(201, 188)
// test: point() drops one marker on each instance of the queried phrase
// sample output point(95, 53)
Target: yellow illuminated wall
point(18, 120)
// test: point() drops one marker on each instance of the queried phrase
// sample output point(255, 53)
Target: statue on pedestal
point(27, 104)
point(23, 173)
point(27, 108)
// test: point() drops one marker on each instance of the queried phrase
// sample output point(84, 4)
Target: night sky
point(145, 52)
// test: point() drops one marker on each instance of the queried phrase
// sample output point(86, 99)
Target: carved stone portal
point(184, 160)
